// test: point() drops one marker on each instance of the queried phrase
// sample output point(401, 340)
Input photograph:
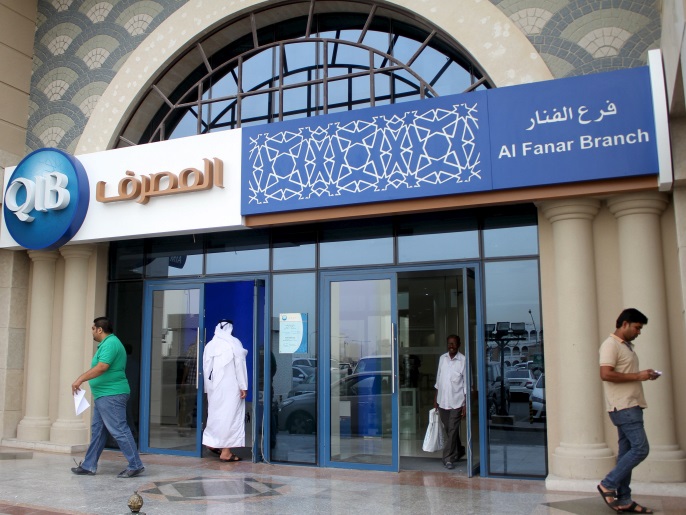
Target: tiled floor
point(41, 483)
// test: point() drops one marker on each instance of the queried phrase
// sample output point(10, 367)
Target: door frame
point(146, 356)
point(474, 467)
point(324, 380)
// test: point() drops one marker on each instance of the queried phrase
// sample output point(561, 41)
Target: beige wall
point(609, 300)
point(17, 28)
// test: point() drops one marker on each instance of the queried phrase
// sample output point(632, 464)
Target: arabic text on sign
point(165, 183)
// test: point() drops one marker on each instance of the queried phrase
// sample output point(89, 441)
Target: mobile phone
point(658, 372)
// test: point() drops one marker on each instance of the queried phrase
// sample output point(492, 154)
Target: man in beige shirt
point(622, 382)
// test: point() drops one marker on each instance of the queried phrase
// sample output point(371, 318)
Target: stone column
point(582, 453)
point(68, 428)
point(643, 288)
point(35, 426)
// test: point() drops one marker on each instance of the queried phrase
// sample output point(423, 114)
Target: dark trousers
point(452, 450)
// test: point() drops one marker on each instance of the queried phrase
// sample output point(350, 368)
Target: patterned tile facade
point(81, 44)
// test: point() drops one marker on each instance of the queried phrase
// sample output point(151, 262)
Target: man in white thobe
point(226, 385)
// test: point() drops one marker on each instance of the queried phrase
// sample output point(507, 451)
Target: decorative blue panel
point(415, 149)
point(567, 130)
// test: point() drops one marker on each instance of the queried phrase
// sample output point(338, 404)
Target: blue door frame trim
point(189, 283)
point(324, 380)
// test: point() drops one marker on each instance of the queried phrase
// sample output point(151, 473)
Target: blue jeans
point(633, 449)
point(109, 412)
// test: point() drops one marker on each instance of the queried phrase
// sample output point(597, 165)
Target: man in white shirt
point(450, 400)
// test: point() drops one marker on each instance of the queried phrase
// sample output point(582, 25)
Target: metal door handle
point(392, 357)
point(197, 357)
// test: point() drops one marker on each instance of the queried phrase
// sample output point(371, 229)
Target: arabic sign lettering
point(577, 129)
point(164, 183)
point(566, 130)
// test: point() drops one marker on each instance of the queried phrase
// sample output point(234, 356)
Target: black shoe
point(449, 466)
point(130, 473)
point(80, 471)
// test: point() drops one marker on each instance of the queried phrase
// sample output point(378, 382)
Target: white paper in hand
point(81, 404)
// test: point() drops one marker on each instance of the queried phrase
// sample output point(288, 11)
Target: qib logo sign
point(46, 199)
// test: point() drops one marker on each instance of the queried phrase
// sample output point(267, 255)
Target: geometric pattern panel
point(414, 149)
point(79, 43)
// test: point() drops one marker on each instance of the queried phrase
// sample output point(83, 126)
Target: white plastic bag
point(435, 433)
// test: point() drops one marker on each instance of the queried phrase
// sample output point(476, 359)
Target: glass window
point(237, 252)
point(126, 260)
point(514, 364)
point(437, 240)
point(174, 257)
point(294, 375)
point(356, 246)
point(510, 236)
point(293, 251)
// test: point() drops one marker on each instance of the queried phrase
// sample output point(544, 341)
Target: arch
point(487, 34)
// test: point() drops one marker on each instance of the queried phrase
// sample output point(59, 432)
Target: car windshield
point(518, 373)
point(541, 382)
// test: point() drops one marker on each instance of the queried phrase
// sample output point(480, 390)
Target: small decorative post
point(135, 503)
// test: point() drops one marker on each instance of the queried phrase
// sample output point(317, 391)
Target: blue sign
point(578, 129)
point(410, 150)
point(567, 130)
point(46, 199)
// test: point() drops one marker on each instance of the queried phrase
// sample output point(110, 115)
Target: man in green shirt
point(111, 391)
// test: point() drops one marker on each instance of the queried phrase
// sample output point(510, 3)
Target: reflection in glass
point(514, 350)
point(237, 252)
point(361, 403)
point(173, 370)
point(510, 241)
point(293, 424)
point(293, 251)
point(437, 241)
point(344, 247)
point(165, 259)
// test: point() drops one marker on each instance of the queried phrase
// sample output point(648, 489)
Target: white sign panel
point(172, 187)
point(292, 333)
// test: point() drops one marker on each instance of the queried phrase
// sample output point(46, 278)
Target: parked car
point(537, 400)
point(520, 381)
point(369, 395)
point(373, 364)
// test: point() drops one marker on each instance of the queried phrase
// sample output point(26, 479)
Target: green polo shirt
point(113, 381)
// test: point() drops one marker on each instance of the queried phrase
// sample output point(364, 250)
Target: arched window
point(300, 59)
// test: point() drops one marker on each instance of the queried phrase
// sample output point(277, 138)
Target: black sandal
point(610, 494)
point(635, 508)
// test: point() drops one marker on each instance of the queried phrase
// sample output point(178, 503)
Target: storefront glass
point(515, 369)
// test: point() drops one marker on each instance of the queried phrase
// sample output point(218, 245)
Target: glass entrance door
point(360, 388)
point(171, 392)
point(179, 319)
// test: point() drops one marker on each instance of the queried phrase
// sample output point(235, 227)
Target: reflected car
point(301, 373)
point(364, 407)
point(373, 364)
point(537, 400)
point(305, 362)
point(308, 385)
point(520, 381)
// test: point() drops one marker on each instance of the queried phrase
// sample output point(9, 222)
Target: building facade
point(502, 267)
